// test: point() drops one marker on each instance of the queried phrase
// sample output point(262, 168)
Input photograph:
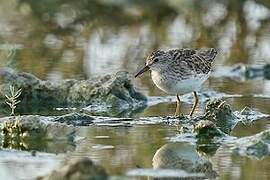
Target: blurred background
point(78, 39)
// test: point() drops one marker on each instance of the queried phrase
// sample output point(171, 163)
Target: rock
point(22, 132)
point(256, 146)
point(102, 109)
point(207, 130)
point(182, 156)
point(75, 119)
point(82, 168)
point(220, 113)
point(248, 115)
point(113, 92)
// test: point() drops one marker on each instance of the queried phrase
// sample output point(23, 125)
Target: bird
point(180, 71)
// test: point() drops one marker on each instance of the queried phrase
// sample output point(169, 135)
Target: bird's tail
point(209, 54)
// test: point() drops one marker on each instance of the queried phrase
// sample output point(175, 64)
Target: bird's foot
point(179, 116)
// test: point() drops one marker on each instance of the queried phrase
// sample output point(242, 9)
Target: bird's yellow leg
point(177, 110)
point(194, 104)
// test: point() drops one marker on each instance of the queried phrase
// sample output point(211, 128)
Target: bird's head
point(157, 60)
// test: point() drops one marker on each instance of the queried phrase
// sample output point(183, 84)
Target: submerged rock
point(256, 146)
point(182, 156)
point(113, 92)
point(82, 168)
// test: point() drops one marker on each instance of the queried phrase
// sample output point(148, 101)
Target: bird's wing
point(179, 54)
point(196, 61)
point(207, 54)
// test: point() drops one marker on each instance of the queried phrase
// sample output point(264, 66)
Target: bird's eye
point(156, 60)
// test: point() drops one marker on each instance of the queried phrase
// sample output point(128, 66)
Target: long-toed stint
point(180, 71)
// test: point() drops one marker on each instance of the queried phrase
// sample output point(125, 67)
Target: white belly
point(173, 86)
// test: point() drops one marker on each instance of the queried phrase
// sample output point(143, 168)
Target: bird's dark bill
point(146, 68)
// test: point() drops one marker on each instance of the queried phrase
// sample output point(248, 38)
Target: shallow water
point(81, 40)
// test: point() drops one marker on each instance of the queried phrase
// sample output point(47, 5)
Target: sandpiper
point(180, 71)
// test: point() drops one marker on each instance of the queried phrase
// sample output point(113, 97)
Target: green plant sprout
point(12, 99)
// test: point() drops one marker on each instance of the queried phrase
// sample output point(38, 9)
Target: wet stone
point(256, 146)
point(82, 168)
point(248, 115)
point(258, 149)
point(219, 112)
point(75, 119)
point(112, 92)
